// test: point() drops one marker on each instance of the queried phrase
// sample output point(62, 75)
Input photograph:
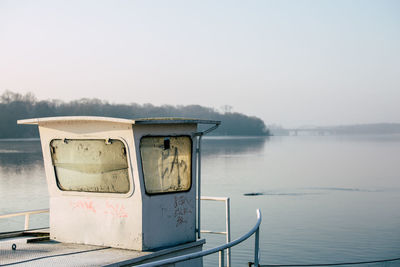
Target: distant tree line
point(14, 106)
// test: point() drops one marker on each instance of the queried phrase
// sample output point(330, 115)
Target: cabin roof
point(161, 120)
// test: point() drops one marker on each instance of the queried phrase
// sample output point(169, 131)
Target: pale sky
point(288, 62)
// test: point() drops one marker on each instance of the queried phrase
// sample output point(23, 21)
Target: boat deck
point(35, 249)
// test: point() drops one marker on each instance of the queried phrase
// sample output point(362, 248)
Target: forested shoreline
point(14, 106)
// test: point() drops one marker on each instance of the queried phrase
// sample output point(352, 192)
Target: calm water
point(324, 199)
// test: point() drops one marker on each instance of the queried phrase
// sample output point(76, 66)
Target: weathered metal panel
point(168, 219)
point(172, 221)
point(96, 221)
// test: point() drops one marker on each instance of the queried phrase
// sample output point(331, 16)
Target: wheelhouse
point(122, 183)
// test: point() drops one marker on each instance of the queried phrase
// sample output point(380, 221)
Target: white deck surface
point(51, 253)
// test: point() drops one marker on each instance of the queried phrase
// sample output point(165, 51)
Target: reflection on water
point(228, 146)
point(22, 182)
point(323, 198)
point(16, 155)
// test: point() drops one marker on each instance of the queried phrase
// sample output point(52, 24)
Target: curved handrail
point(212, 250)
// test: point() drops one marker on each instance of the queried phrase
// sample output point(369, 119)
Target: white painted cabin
point(119, 183)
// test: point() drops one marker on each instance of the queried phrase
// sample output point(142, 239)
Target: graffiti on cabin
point(83, 204)
point(115, 210)
point(181, 208)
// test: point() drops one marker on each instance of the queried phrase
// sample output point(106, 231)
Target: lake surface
point(324, 199)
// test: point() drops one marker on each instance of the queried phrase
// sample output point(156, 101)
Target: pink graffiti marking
point(116, 210)
point(83, 204)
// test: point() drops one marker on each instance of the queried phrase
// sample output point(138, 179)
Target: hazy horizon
point(291, 63)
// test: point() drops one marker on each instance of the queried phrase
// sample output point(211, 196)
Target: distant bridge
point(310, 131)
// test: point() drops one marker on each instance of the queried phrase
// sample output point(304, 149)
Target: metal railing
point(227, 232)
point(24, 213)
point(255, 230)
point(227, 223)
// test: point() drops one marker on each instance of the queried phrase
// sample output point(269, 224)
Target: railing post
point(221, 258)
point(198, 185)
point(228, 230)
point(26, 221)
point(256, 247)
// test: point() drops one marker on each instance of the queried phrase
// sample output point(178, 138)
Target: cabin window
point(99, 166)
point(166, 163)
